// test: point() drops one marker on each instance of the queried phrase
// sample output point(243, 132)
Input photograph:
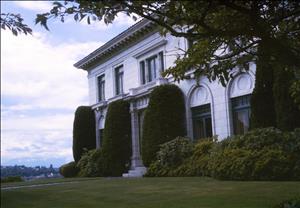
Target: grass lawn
point(150, 192)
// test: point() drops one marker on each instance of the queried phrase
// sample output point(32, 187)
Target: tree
point(287, 112)
point(84, 131)
point(14, 22)
point(262, 99)
point(116, 147)
point(164, 120)
point(226, 34)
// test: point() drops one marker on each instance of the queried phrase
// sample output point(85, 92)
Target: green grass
point(151, 192)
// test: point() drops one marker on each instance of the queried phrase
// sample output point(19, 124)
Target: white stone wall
point(217, 95)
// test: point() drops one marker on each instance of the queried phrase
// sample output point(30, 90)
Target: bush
point(84, 136)
point(290, 203)
point(69, 170)
point(171, 155)
point(117, 139)
point(262, 154)
point(91, 164)
point(164, 120)
point(11, 179)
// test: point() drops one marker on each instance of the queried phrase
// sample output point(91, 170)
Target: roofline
point(113, 43)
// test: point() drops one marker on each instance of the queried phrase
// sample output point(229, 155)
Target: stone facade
point(136, 45)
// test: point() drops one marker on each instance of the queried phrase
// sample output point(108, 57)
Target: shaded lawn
point(152, 192)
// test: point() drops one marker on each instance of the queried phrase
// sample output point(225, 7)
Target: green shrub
point(11, 179)
point(84, 136)
point(290, 203)
point(69, 170)
point(91, 164)
point(164, 120)
point(117, 139)
point(261, 154)
point(171, 155)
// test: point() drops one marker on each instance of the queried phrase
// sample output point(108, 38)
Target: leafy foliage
point(261, 154)
point(84, 131)
point(117, 139)
point(170, 155)
point(226, 33)
point(14, 22)
point(69, 170)
point(290, 203)
point(91, 164)
point(164, 120)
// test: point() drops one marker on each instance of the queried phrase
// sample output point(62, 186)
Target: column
point(97, 117)
point(136, 156)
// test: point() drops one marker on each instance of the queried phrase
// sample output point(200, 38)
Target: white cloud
point(40, 90)
point(37, 6)
point(121, 20)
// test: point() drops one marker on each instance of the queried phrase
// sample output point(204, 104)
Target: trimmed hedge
point(164, 120)
point(84, 131)
point(69, 170)
point(117, 139)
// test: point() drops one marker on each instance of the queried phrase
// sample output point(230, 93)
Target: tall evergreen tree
point(262, 99)
point(287, 112)
point(117, 139)
point(84, 131)
point(164, 120)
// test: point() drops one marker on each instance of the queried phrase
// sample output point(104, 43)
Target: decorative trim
point(151, 48)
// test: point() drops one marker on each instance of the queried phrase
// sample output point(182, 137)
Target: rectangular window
point(119, 79)
point(202, 123)
point(150, 67)
point(240, 114)
point(101, 87)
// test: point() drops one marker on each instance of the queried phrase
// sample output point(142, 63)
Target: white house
point(129, 66)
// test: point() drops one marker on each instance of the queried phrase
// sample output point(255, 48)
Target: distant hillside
point(27, 172)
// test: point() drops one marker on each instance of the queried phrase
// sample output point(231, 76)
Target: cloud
point(121, 20)
point(40, 90)
point(37, 6)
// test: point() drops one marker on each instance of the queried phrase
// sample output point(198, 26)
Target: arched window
point(200, 105)
point(240, 93)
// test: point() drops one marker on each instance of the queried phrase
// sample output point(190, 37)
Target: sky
point(40, 88)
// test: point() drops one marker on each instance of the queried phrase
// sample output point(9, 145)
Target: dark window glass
point(119, 80)
point(240, 114)
point(101, 88)
point(150, 67)
point(161, 59)
point(202, 126)
point(143, 73)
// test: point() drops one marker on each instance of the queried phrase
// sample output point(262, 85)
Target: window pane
point(241, 114)
point(143, 74)
point(208, 127)
point(202, 121)
point(119, 80)
point(161, 60)
point(101, 86)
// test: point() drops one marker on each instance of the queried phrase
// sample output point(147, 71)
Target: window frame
point(101, 92)
point(240, 107)
point(118, 78)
